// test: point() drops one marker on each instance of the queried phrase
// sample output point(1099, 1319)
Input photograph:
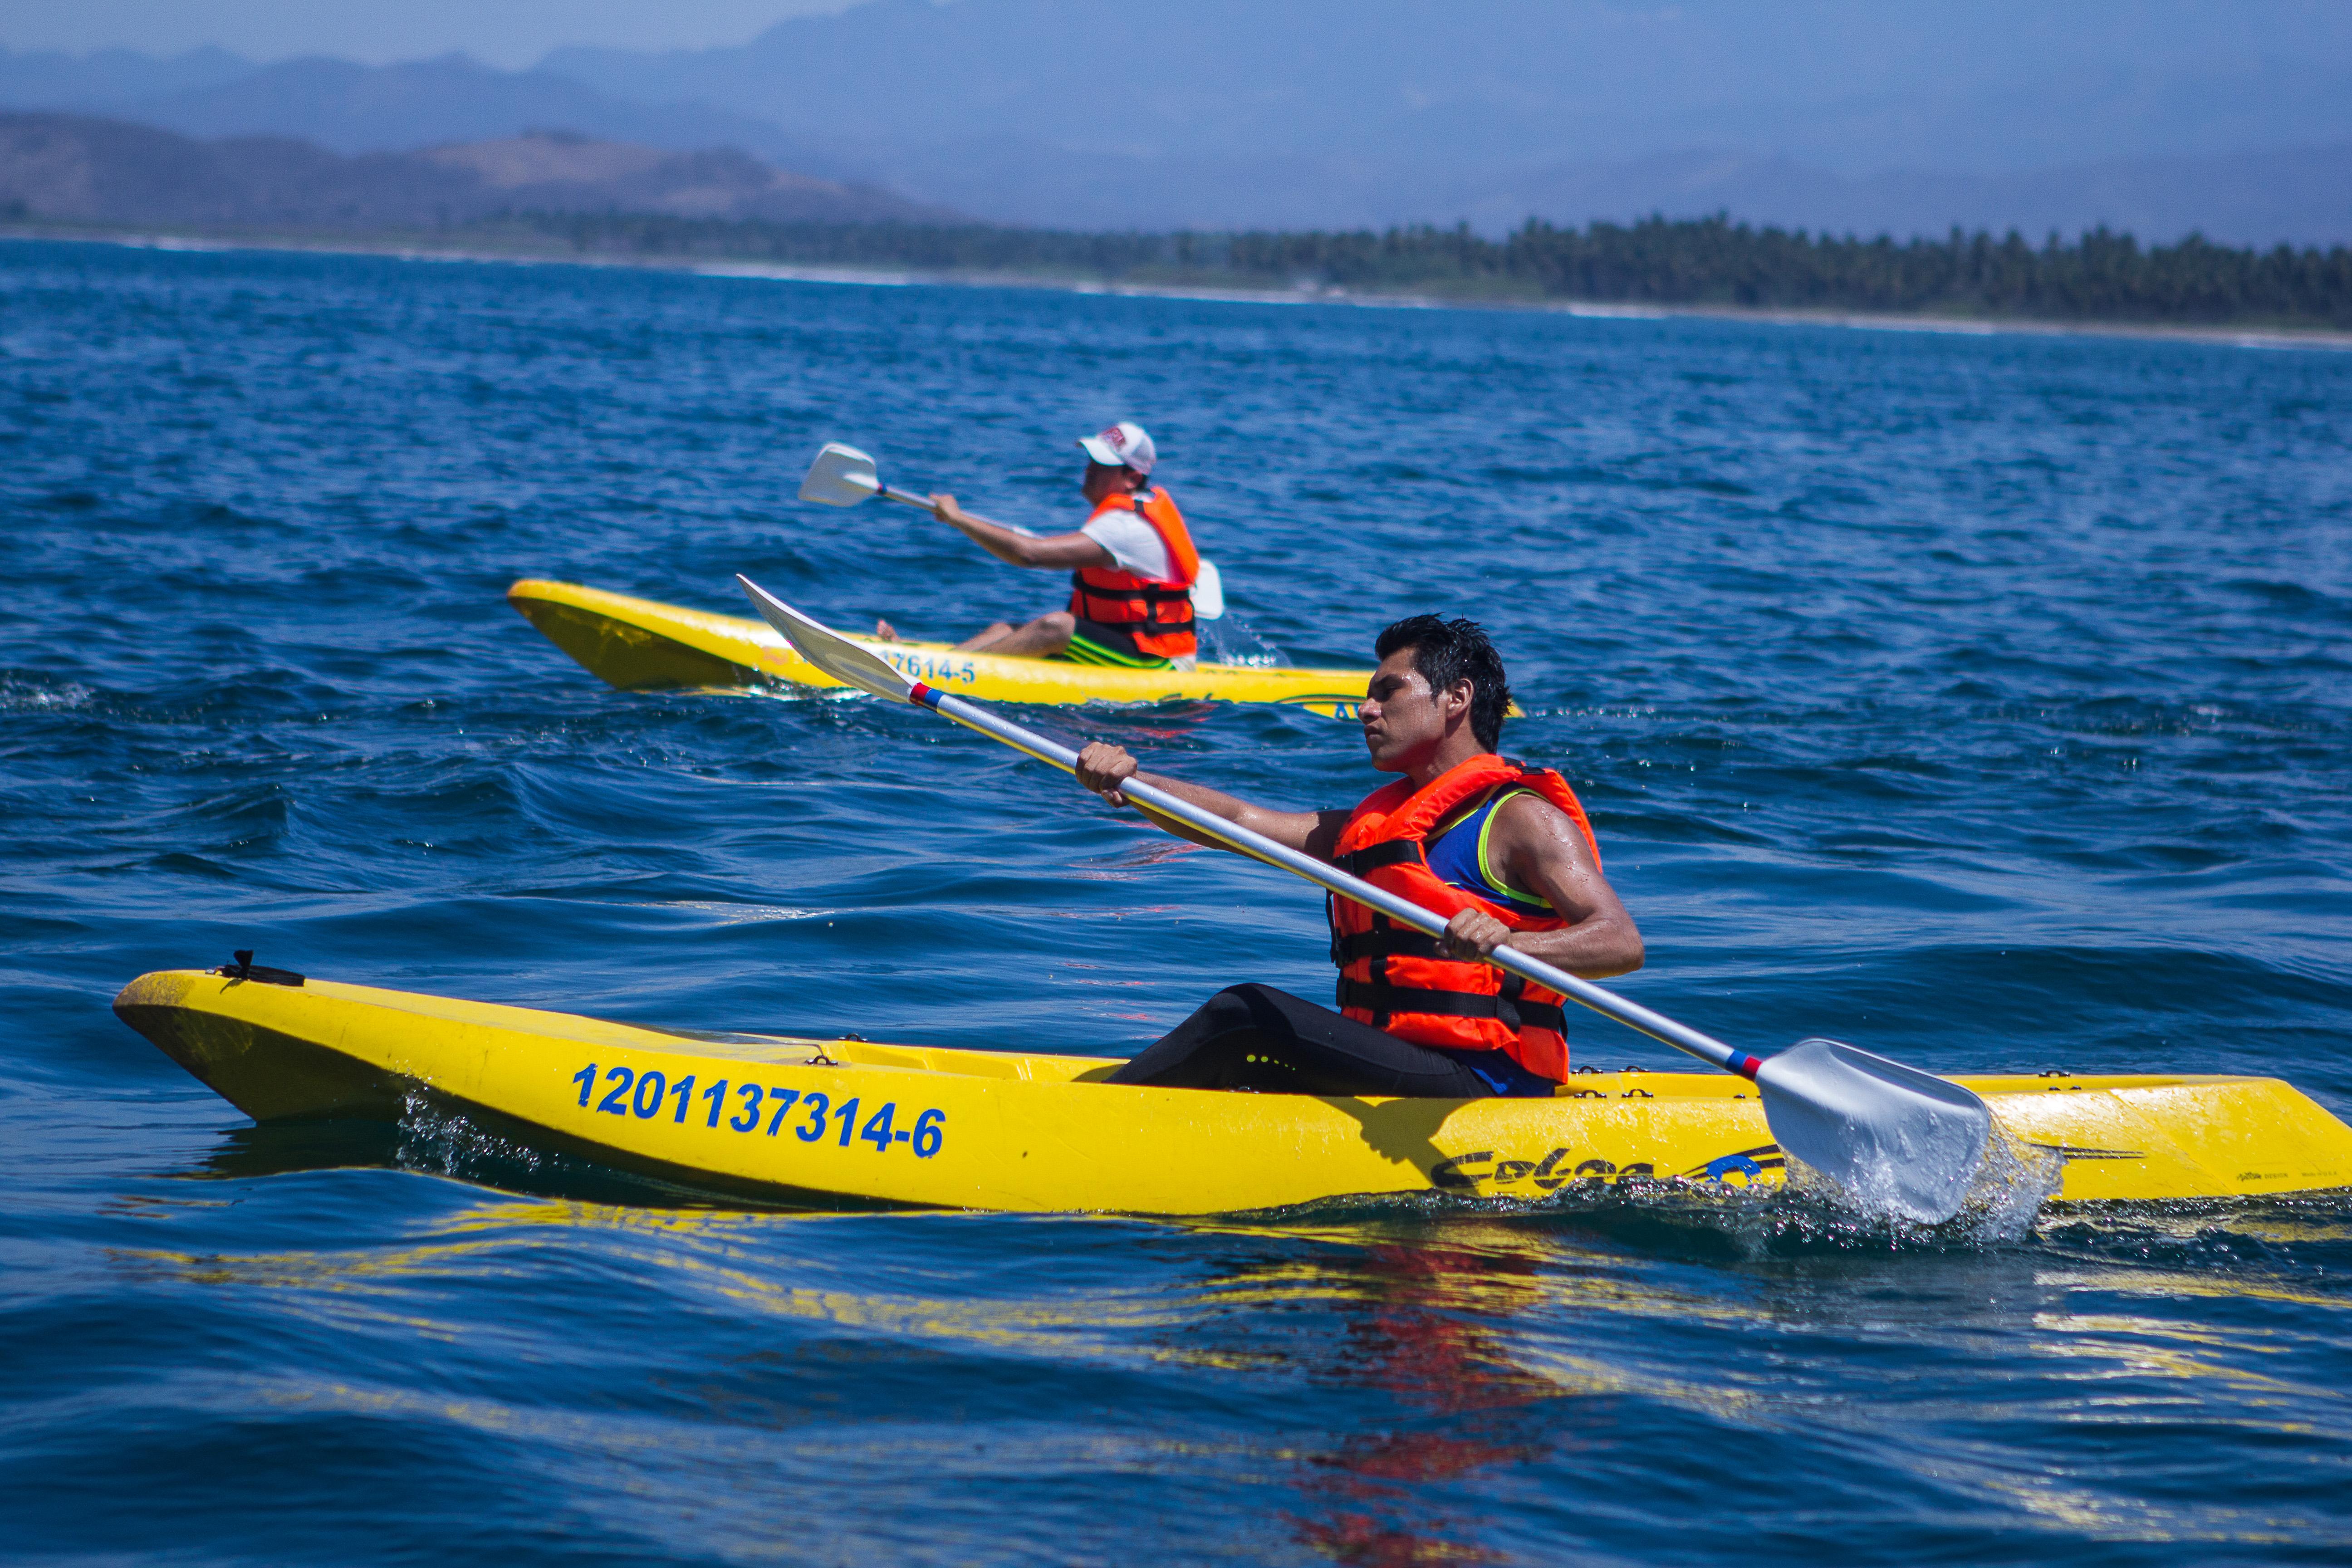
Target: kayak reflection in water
point(1132, 567)
point(1505, 851)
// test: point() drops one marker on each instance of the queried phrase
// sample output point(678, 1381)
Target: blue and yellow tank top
point(1457, 854)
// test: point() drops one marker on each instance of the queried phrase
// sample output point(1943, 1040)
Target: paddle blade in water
point(841, 476)
point(826, 648)
point(1894, 1137)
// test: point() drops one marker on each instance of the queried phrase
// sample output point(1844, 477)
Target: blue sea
point(1983, 699)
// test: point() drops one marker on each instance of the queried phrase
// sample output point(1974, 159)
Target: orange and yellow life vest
point(1158, 611)
point(1397, 980)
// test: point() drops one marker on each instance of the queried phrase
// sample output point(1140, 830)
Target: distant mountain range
point(78, 168)
point(2160, 115)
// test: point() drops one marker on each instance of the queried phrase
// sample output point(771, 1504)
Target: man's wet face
point(1400, 714)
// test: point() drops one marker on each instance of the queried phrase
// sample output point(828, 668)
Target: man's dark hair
point(1447, 653)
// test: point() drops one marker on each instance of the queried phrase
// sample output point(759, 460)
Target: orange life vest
point(1158, 609)
point(1395, 979)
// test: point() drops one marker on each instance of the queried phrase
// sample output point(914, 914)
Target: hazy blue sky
point(500, 32)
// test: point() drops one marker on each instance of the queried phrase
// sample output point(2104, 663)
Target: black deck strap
point(242, 967)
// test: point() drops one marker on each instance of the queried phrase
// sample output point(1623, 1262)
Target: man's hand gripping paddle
point(844, 476)
point(1894, 1138)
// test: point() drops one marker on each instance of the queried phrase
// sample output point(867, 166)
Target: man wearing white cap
point(1132, 567)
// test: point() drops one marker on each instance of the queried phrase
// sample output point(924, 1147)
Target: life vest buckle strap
point(1393, 999)
point(1543, 1016)
point(1393, 852)
point(1346, 950)
point(1379, 998)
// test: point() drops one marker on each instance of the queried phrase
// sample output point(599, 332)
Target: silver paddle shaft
point(908, 498)
point(1510, 960)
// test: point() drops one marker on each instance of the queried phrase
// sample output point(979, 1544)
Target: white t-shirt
point(1133, 542)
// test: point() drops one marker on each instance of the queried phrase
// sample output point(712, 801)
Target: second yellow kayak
point(642, 644)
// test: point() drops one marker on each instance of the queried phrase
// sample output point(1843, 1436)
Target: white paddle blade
point(1209, 594)
point(1894, 1137)
point(826, 648)
point(841, 476)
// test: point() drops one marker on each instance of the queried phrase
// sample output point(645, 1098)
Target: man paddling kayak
point(1505, 851)
point(1132, 567)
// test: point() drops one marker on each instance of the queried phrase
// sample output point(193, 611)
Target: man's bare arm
point(1537, 849)
point(1103, 767)
point(1052, 550)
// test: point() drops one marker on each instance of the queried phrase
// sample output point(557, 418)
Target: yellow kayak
point(641, 644)
point(830, 1123)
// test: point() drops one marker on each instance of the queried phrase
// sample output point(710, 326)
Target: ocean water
point(1981, 699)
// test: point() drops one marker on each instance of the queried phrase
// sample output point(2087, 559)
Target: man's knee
point(1264, 1006)
point(1061, 623)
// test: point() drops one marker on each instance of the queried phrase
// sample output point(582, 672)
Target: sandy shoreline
point(888, 278)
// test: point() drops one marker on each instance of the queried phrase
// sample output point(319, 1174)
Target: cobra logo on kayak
point(1461, 1173)
point(1454, 1175)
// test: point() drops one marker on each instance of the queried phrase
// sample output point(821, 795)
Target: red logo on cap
point(1117, 438)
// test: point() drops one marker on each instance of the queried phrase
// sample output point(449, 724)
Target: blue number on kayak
point(815, 1102)
point(647, 1111)
point(930, 667)
point(927, 1133)
point(881, 1129)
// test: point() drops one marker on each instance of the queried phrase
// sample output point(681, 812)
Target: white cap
point(1124, 445)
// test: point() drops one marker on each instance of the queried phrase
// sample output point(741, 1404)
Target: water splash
point(437, 1139)
point(1999, 1208)
point(1806, 1212)
point(37, 694)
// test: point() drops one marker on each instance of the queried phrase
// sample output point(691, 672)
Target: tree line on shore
point(1702, 262)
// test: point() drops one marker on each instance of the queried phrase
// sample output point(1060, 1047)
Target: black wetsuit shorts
point(1256, 1038)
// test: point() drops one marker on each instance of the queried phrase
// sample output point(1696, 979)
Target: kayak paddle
point(1894, 1137)
point(844, 476)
